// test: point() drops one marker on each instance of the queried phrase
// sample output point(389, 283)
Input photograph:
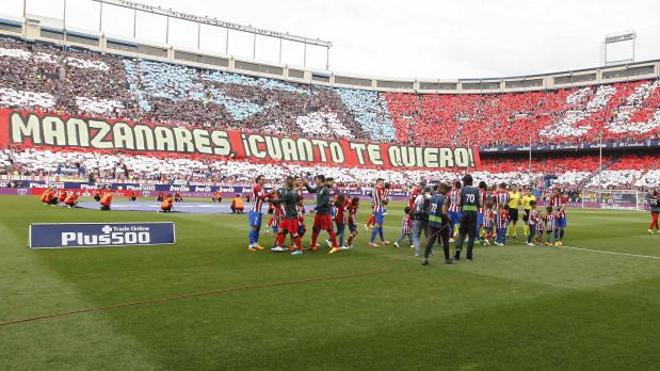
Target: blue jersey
point(470, 199)
point(436, 218)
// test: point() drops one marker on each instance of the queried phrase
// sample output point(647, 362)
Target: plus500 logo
point(113, 238)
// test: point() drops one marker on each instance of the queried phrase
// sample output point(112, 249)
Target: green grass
point(513, 308)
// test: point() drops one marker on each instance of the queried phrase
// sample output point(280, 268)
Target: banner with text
point(72, 132)
point(77, 235)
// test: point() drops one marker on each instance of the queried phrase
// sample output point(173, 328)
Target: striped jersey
point(549, 222)
point(379, 195)
point(278, 213)
point(259, 196)
point(558, 202)
point(540, 226)
point(454, 200)
point(482, 200)
point(501, 198)
point(406, 224)
point(502, 219)
point(489, 218)
point(533, 217)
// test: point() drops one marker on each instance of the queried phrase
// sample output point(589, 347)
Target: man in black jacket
point(322, 218)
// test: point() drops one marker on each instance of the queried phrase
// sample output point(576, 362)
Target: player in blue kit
point(255, 215)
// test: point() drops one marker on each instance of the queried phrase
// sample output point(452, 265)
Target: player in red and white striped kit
point(406, 227)
point(532, 219)
point(414, 192)
point(378, 209)
point(255, 214)
point(488, 223)
point(558, 202)
point(501, 196)
point(454, 209)
point(483, 192)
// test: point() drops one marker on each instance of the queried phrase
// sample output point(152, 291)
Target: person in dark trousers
point(469, 204)
point(438, 224)
point(653, 199)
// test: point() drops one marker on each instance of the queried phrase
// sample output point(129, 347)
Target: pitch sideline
point(588, 250)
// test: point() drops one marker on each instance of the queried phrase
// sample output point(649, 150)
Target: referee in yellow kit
point(527, 198)
point(515, 199)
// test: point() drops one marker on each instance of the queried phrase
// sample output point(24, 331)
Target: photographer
point(420, 217)
point(438, 223)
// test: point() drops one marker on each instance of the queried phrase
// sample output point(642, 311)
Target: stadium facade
point(413, 123)
point(32, 29)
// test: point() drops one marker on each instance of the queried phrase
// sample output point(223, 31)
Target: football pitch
point(207, 303)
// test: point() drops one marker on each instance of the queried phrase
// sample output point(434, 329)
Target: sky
point(400, 39)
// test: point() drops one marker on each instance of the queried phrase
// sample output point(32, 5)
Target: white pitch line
point(612, 252)
point(592, 250)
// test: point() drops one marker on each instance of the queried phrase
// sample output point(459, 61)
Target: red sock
point(280, 239)
point(333, 237)
point(298, 243)
point(315, 235)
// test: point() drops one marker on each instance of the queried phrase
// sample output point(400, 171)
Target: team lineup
point(461, 213)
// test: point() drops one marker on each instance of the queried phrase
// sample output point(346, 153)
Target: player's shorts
point(526, 216)
point(480, 219)
point(513, 215)
point(290, 225)
point(254, 218)
point(352, 227)
point(323, 221)
point(455, 217)
point(379, 216)
point(561, 222)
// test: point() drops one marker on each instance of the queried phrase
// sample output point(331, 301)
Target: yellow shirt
point(514, 200)
point(526, 199)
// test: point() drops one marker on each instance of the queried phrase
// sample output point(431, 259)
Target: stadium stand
point(572, 172)
point(44, 77)
point(86, 82)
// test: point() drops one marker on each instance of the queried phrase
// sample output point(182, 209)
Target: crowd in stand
point(46, 77)
point(83, 82)
point(570, 172)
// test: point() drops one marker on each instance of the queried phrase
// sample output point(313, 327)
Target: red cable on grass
point(186, 296)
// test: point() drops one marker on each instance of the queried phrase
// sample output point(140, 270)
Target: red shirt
point(352, 212)
point(413, 195)
point(339, 215)
point(378, 198)
point(259, 196)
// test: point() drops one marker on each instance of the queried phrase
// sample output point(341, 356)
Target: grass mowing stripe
point(192, 295)
point(608, 252)
point(563, 305)
point(611, 252)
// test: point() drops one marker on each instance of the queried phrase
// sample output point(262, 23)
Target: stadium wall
point(31, 28)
